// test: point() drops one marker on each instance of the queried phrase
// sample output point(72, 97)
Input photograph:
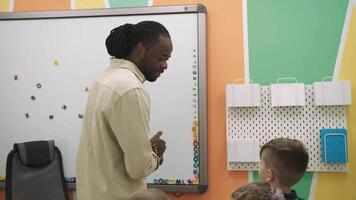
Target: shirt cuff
point(158, 160)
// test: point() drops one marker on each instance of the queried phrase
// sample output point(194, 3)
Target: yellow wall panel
point(342, 185)
point(86, 4)
point(4, 5)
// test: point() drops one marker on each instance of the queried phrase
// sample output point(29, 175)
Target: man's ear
point(140, 50)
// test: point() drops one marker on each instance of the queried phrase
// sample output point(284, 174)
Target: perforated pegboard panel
point(302, 122)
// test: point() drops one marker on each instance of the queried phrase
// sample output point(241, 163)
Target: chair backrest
point(34, 171)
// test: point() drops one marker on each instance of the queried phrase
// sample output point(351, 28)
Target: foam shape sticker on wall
point(243, 95)
point(332, 93)
point(288, 94)
point(334, 145)
point(243, 150)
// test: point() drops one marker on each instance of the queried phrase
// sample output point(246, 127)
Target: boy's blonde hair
point(255, 191)
point(149, 194)
point(287, 157)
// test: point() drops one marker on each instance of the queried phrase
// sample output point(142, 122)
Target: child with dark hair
point(283, 163)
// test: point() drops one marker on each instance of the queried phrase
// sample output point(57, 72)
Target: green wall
point(294, 38)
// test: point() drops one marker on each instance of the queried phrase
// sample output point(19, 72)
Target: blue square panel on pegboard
point(334, 145)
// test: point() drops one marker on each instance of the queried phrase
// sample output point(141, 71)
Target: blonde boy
point(256, 191)
point(149, 194)
point(283, 163)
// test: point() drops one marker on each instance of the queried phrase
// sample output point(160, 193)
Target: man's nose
point(164, 65)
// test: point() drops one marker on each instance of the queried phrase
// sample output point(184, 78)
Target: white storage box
point(332, 93)
point(288, 94)
point(243, 95)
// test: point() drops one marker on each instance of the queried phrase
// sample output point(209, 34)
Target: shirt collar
point(292, 195)
point(122, 63)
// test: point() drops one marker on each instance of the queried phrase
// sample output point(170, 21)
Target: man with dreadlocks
point(115, 154)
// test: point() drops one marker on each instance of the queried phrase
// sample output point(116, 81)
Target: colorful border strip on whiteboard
point(196, 150)
point(195, 136)
point(195, 122)
point(172, 181)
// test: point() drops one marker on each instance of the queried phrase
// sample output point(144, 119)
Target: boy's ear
point(270, 175)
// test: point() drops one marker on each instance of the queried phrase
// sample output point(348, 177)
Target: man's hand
point(158, 145)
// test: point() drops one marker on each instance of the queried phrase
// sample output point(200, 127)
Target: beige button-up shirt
point(114, 155)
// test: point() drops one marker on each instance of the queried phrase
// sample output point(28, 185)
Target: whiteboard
point(49, 60)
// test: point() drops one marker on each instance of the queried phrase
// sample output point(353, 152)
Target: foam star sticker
point(16, 77)
point(56, 62)
point(27, 115)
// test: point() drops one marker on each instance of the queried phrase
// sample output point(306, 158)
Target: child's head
point(150, 194)
point(283, 162)
point(256, 191)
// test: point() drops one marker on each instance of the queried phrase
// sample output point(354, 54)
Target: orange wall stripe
point(41, 5)
point(225, 63)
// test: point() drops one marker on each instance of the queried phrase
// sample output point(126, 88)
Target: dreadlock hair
point(122, 39)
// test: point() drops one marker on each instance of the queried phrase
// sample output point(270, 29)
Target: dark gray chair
point(34, 171)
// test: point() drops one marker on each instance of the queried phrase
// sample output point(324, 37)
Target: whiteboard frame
point(201, 11)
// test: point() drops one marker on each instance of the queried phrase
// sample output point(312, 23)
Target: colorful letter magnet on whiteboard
point(334, 145)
